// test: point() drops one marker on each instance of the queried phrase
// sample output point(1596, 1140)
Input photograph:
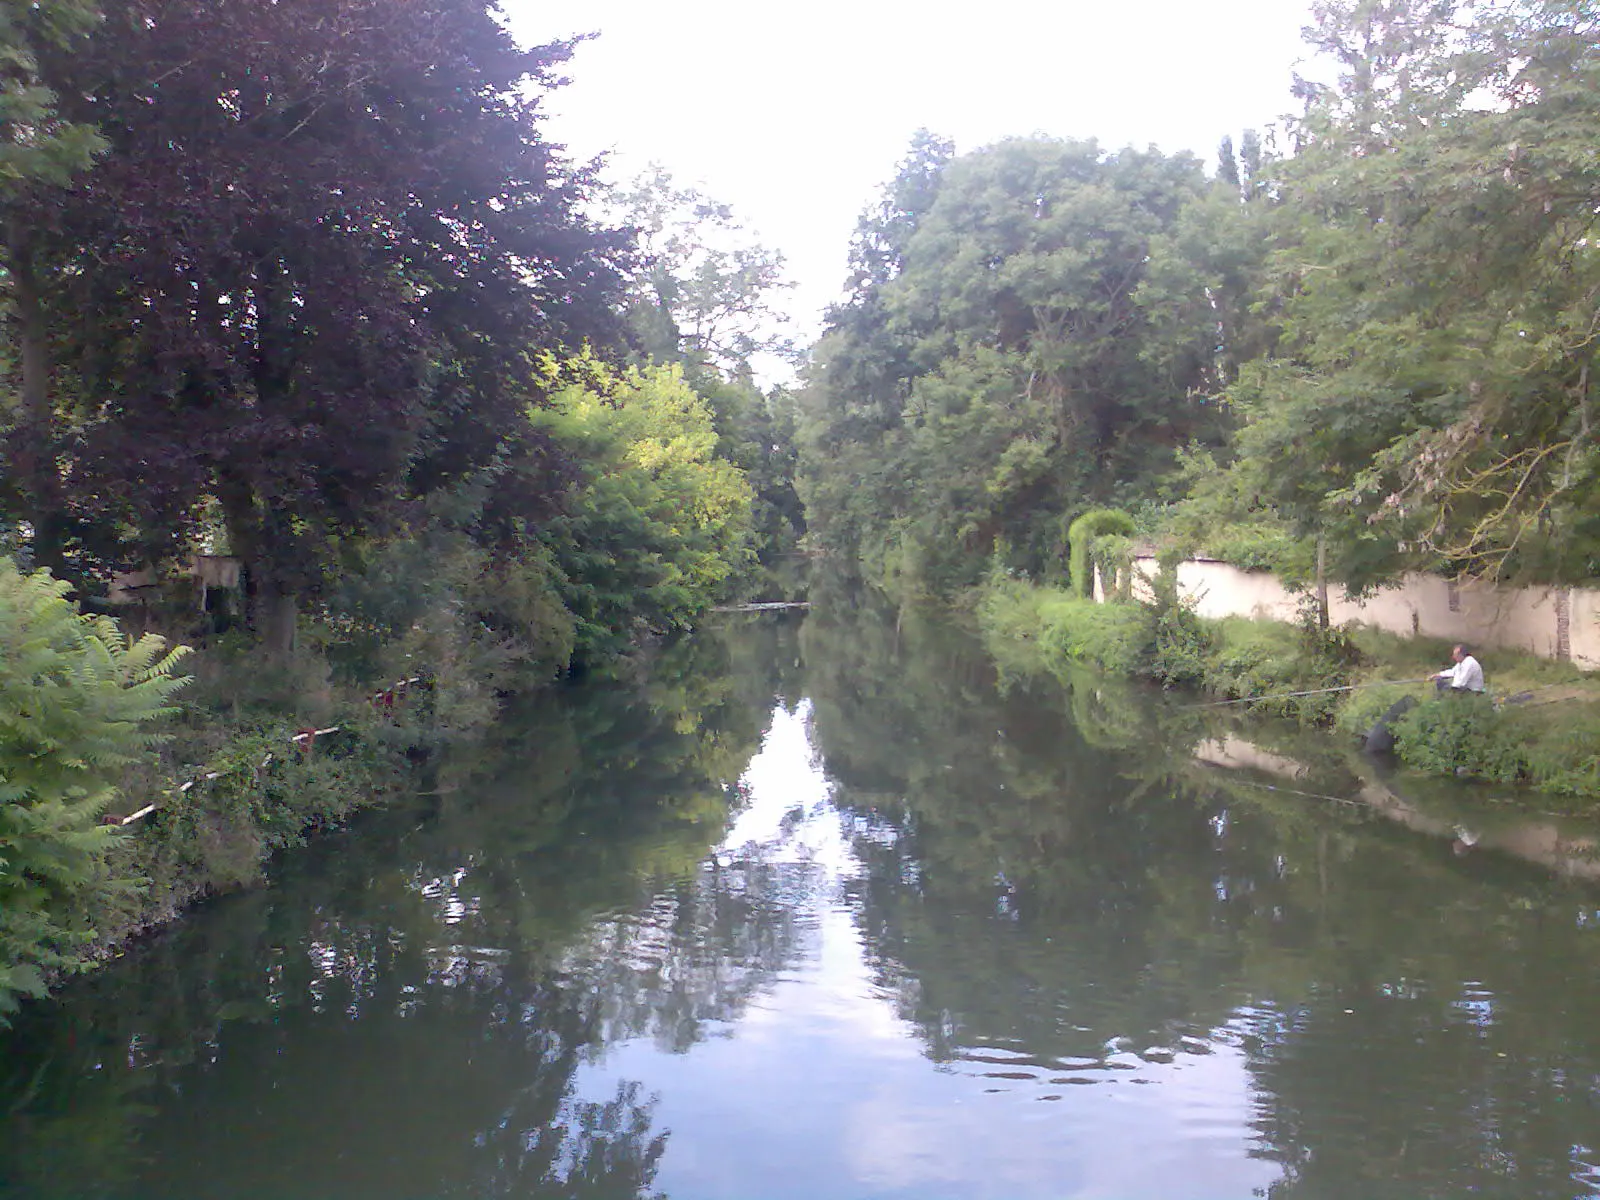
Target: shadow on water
point(1223, 977)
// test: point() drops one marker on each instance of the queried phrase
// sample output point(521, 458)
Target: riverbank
point(262, 753)
point(256, 753)
point(1540, 725)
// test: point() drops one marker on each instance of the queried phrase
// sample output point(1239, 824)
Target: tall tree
point(703, 291)
point(314, 265)
point(40, 151)
point(1431, 401)
point(996, 356)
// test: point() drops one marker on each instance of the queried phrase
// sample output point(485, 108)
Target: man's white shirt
point(1467, 675)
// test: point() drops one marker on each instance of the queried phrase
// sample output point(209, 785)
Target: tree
point(995, 369)
point(40, 152)
point(859, 372)
point(703, 292)
point(76, 698)
point(703, 298)
point(308, 277)
point(660, 524)
point(1431, 401)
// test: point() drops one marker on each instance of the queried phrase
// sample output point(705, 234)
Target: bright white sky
point(796, 114)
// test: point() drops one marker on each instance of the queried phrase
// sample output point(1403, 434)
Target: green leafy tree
point(996, 366)
point(76, 699)
point(660, 525)
point(859, 373)
point(40, 152)
point(702, 297)
point(1430, 403)
point(703, 294)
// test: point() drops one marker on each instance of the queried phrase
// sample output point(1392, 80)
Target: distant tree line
point(1373, 331)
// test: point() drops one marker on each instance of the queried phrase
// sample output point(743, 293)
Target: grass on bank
point(1550, 739)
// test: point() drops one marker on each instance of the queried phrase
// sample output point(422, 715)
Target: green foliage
point(1082, 536)
point(756, 433)
point(1461, 735)
point(1068, 629)
point(994, 371)
point(36, 145)
point(77, 697)
point(661, 526)
point(1564, 755)
point(1181, 643)
point(702, 294)
point(1166, 642)
point(1435, 278)
point(1554, 747)
point(1263, 547)
point(1362, 708)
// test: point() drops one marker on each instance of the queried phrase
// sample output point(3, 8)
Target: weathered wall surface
point(1553, 622)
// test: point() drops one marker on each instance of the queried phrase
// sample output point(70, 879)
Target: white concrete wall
point(1479, 614)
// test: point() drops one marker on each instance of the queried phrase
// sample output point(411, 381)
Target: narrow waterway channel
point(822, 908)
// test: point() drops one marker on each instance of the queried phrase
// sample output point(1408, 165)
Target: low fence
point(383, 700)
point(1559, 623)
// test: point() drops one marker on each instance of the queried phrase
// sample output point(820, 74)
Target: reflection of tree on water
point(1050, 907)
point(407, 1012)
point(695, 955)
point(389, 1086)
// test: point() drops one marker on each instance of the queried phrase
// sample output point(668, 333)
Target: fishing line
point(1351, 687)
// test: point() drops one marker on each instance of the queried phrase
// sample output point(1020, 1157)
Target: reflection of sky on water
point(819, 1089)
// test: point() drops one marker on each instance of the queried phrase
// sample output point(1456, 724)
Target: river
point(822, 906)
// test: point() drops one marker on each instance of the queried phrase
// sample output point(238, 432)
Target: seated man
point(1465, 676)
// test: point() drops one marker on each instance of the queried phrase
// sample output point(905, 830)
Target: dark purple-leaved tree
point(308, 278)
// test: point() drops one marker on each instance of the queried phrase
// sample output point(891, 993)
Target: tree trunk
point(34, 459)
point(278, 615)
point(271, 608)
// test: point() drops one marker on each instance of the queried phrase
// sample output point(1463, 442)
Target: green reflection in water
point(1052, 888)
point(1067, 888)
point(403, 1012)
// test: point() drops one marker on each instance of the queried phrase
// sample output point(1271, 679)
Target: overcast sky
point(796, 114)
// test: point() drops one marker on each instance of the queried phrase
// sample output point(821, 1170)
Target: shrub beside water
point(1462, 735)
point(1552, 746)
point(77, 698)
point(1164, 642)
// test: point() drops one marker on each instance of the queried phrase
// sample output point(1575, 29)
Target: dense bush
point(76, 699)
point(1462, 734)
point(1565, 756)
point(1180, 646)
point(1068, 629)
point(1554, 747)
point(1165, 641)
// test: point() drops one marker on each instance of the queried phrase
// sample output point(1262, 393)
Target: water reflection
point(825, 907)
point(1066, 891)
point(405, 1012)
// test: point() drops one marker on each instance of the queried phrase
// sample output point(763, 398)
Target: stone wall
point(1553, 622)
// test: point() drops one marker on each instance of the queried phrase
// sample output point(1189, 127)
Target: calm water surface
point(824, 908)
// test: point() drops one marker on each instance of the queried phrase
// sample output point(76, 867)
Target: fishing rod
point(1349, 687)
point(1278, 787)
